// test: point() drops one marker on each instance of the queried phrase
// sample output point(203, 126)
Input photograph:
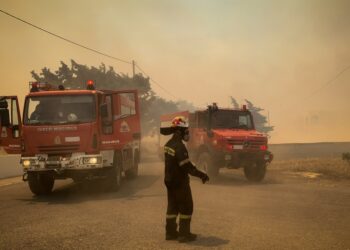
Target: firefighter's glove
point(204, 178)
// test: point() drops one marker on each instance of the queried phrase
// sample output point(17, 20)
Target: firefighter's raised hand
point(205, 178)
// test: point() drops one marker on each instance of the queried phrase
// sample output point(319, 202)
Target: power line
point(152, 80)
point(87, 48)
point(329, 82)
point(65, 39)
point(332, 80)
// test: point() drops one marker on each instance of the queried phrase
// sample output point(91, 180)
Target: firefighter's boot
point(185, 234)
point(171, 232)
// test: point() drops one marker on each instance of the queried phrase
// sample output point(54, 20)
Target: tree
point(234, 103)
point(185, 105)
point(259, 119)
point(76, 75)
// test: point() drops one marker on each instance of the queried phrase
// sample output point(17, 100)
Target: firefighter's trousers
point(179, 203)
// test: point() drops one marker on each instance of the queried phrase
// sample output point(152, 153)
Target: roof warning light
point(90, 85)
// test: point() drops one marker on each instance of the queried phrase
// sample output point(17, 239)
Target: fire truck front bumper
point(44, 162)
point(235, 159)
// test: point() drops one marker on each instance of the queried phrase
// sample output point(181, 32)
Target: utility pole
point(133, 68)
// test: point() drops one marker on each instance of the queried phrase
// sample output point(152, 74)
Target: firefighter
point(177, 168)
point(38, 112)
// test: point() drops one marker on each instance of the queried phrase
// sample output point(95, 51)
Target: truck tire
point(115, 175)
point(133, 172)
point(41, 183)
point(205, 163)
point(255, 171)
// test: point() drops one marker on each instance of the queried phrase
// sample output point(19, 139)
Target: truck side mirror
point(15, 131)
point(4, 118)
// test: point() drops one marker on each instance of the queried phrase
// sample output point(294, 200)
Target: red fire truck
point(224, 138)
point(74, 134)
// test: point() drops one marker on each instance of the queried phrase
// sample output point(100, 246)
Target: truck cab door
point(10, 125)
point(199, 132)
point(126, 117)
point(126, 125)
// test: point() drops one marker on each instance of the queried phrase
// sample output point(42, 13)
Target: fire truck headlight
point(26, 163)
point(92, 160)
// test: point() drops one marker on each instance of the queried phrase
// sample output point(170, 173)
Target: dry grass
point(328, 167)
point(331, 167)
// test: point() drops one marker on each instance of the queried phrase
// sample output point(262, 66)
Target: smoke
point(274, 53)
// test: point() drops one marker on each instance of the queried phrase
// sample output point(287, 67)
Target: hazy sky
point(278, 54)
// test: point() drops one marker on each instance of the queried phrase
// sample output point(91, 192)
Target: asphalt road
point(285, 211)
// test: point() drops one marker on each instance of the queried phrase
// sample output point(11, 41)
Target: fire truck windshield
point(59, 109)
point(231, 120)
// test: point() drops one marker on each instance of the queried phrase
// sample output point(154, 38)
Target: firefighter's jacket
point(178, 164)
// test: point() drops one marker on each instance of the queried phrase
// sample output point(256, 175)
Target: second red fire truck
point(224, 138)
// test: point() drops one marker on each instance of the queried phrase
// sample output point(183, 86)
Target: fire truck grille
point(58, 149)
point(248, 144)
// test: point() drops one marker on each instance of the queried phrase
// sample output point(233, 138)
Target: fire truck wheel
point(133, 172)
point(115, 177)
point(40, 183)
point(255, 171)
point(205, 163)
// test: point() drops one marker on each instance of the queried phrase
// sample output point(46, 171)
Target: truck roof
point(75, 92)
point(62, 92)
point(227, 109)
